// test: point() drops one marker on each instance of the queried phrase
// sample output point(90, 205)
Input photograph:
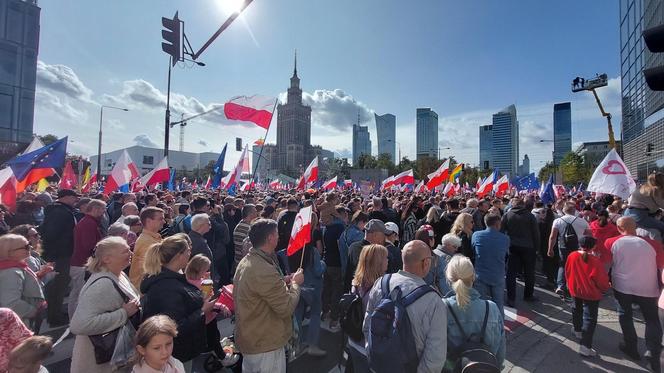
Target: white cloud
point(145, 140)
point(202, 142)
point(63, 79)
point(336, 109)
point(45, 100)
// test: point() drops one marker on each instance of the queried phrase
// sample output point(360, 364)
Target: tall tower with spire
point(293, 129)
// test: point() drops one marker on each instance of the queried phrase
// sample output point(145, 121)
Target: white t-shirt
point(634, 267)
point(579, 224)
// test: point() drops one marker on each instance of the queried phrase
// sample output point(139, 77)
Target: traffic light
point(173, 37)
point(649, 149)
point(654, 39)
point(238, 144)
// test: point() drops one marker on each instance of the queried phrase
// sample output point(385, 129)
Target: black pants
point(332, 291)
point(549, 265)
point(57, 288)
point(584, 319)
point(520, 259)
point(649, 310)
point(222, 269)
point(214, 339)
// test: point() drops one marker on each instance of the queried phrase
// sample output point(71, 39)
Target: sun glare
point(230, 6)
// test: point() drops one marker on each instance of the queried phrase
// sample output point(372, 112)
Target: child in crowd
point(154, 346)
point(586, 280)
point(29, 354)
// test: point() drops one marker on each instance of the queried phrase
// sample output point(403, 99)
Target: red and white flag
point(68, 180)
point(487, 184)
point(121, 174)
point(387, 183)
point(8, 188)
point(159, 174)
point(301, 232)
point(612, 177)
point(348, 183)
point(330, 184)
point(274, 185)
point(310, 174)
point(502, 186)
point(439, 176)
point(234, 176)
point(194, 185)
point(208, 183)
point(420, 187)
point(87, 186)
point(255, 109)
point(405, 177)
point(448, 188)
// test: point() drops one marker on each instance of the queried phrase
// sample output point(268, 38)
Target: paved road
point(539, 339)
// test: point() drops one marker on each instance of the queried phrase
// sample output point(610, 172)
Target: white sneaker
point(578, 335)
point(315, 351)
point(587, 352)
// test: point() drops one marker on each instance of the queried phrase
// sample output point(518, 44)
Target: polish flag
point(457, 187)
point(8, 188)
point(330, 184)
point(194, 185)
point(479, 182)
point(120, 175)
point(310, 174)
point(420, 187)
point(208, 183)
point(234, 176)
point(68, 180)
point(502, 186)
point(348, 183)
point(255, 109)
point(447, 189)
point(387, 183)
point(439, 176)
point(487, 185)
point(249, 185)
point(159, 174)
point(274, 184)
point(405, 177)
point(301, 232)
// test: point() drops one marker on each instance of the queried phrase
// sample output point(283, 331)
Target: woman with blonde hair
point(106, 302)
point(154, 346)
point(166, 291)
point(463, 228)
point(20, 288)
point(371, 266)
point(646, 201)
point(466, 314)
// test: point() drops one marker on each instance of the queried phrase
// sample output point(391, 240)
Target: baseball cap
point(67, 193)
point(375, 225)
point(392, 228)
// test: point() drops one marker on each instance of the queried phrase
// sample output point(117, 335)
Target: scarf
point(7, 263)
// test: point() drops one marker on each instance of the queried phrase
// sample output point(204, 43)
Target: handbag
point(104, 344)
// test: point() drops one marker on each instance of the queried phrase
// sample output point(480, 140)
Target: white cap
point(390, 226)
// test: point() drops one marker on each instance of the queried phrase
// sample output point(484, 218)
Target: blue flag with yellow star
point(50, 156)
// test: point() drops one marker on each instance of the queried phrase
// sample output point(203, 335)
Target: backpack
point(177, 226)
point(473, 356)
point(570, 238)
point(391, 347)
point(352, 315)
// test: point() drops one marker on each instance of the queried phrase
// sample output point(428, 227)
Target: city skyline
point(255, 55)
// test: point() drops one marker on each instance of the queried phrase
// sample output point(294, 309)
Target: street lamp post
point(101, 117)
point(399, 145)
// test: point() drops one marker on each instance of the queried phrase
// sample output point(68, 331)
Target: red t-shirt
point(657, 246)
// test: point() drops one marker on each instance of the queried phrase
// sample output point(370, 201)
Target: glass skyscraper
point(361, 142)
point(642, 109)
point(19, 46)
point(486, 147)
point(506, 141)
point(386, 127)
point(562, 131)
point(427, 133)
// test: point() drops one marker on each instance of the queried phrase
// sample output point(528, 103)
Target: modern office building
point(146, 159)
point(506, 141)
point(486, 147)
point(642, 108)
point(386, 128)
point(361, 142)
point(293, 130)
point(19, 47)
point(562, 131)
point(427, 133)
point(594, 152)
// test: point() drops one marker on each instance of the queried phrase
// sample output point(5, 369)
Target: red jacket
point(601, 234)
point(86, 235)
point(586, 280)
point(657, 246)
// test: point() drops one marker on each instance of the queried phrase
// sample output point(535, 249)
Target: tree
point(385, 161)
point(546, 171)
point(48, 139)
point(366, 161)
point(209, 168)
point(425, 165)
point(405, 164)
point(573, 169)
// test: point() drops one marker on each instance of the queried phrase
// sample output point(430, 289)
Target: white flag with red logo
point(612, 177)
point(301, 232)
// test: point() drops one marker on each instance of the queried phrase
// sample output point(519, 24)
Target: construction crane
point(183, 122)
point(600, 80)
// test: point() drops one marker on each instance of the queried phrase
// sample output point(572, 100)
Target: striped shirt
point(239, 234)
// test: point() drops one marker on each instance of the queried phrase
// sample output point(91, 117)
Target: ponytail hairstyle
point(586, 243)
point(162, 253)
point(461, 274)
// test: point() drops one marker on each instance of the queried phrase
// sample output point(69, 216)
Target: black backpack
point(570, 238)
point(352, 315)
point(473, 356)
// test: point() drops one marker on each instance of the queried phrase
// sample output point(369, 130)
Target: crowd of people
point(140, 265)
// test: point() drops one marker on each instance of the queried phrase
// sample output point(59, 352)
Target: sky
point(464, 59)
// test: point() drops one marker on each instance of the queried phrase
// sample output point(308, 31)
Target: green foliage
point(385, 161)
point(573, 169)
point(48, 139)
point(546, 171)
point(366, 161)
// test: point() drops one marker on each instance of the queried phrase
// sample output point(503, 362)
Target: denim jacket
point(350, 235)
point(471, 318)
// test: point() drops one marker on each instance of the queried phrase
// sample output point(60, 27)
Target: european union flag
point(219, 168)
point(528, 182)
point(548, 195)
point(50, 156)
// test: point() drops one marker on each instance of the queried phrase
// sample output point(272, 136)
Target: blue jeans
point(563, 253)
point(495, 292)
point(311, 298)
point(649, 310)
point(584, 319)
point(644, 220)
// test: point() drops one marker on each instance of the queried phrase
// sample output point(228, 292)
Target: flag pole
point(260, 153)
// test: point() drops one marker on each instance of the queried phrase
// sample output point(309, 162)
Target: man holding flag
point(265, 301)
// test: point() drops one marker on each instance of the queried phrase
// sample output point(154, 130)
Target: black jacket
point(285, 226)
point(520, 224)
point(354, 251)
point(169, 293)
point(57, 231)
point(447, 221)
